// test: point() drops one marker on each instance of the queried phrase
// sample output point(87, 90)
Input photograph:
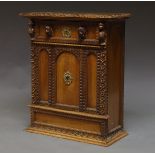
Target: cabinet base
point(91, 140)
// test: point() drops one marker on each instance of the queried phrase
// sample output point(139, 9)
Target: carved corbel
point(48, 31)
point(31, 29)
point(102, 34)
point(82, 33)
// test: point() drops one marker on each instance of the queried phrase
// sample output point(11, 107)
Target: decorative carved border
point(78, 16)
point(68, 41)
point(35, 76)
point(104, 134)
point(65, 130)
point(81, 54)
point(102, 85)
point(50, 76)
point(70, 132)
point(35, 72)
point(102, 96)
point(83, 81)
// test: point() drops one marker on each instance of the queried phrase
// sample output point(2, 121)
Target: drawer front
point(67, 32)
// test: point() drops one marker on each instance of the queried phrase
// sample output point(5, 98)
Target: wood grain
point(67, 94)
point(91, 67)
point(69, 123)
point(43, 65)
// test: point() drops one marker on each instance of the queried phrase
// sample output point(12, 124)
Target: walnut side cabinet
point(77, 75)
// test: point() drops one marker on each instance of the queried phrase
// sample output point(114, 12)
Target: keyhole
point(67, 77)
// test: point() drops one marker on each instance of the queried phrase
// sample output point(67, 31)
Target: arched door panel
point(67, 72)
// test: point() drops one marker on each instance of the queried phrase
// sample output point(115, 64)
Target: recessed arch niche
point(43, 74)
point(91, 70)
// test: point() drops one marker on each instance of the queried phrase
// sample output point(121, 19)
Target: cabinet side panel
point(115, 74)
point(91, 67)
point(43, 74)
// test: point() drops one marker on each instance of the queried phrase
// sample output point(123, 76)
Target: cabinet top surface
point(74, 15)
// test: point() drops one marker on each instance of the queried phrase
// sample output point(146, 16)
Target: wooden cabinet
point(77, 75)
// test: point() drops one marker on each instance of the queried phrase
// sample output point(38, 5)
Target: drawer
point(67, 32)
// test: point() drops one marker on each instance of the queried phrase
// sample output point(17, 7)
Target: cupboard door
point(67, 79)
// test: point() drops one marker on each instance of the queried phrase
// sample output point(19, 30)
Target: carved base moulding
point(80, 138)
point(77, 75)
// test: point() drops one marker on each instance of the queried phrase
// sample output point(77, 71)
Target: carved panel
point(57, 52)
point(81, 54)
point(35, 73)
point(35, 76)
